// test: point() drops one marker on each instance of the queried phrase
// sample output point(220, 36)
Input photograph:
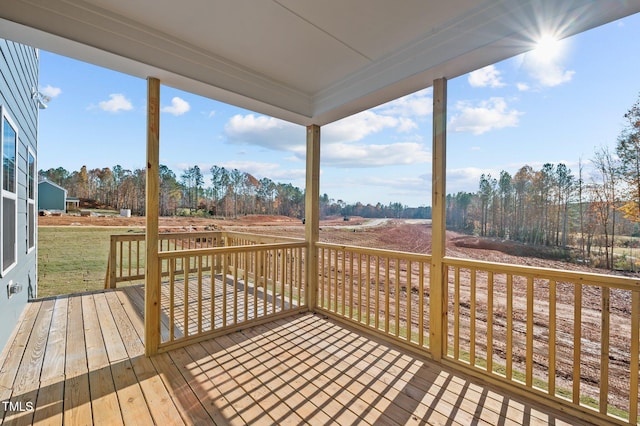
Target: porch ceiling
point(306, 61)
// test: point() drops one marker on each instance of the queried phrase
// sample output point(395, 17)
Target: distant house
point(19, 103)
point(53, 197)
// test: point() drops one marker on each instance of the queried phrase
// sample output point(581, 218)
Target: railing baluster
point(635, 355)
point(360, 304)
point(368, 288)
point(344, 283)
point(509, 370)
point(529, 354)
point(225, 311)
point(456, 313)
point(577, 335)
point(408, 301)
point(172, 297)
point(265, 279)
point(604, 349)
point(212, 285)
point(552, 337)
point(326, 276)
point(129, 259)
point(421, 330)
point(387, 304)
point(352, 283)
point(472, 319)
point(235, 288)
point(185, 261)
point(274, 275)
point(199, 267)
point(490, 322)
point(335, 281)
point(246, 286)
point(397, 297)
point(376, 292)
point(121, 257)
point(322, 254)
point(283, 275)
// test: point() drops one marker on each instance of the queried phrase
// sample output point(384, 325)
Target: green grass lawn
point(73, 259)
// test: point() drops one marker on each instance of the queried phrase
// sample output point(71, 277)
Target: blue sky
point(554, 105)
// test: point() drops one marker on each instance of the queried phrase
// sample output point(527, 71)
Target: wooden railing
point(382, 290)
point(257, 282)
point(127, 251)
point(570, 337)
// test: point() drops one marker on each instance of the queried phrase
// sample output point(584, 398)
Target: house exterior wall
point(51, 197)
point(18, 225)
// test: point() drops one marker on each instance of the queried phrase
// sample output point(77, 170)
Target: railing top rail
point(134, 236)
point(377, 251)
point(249, 235)
point(230, 249)
point(199, 234)
point(587, 278)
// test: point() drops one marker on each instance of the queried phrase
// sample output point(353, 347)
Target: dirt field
point(415, 236)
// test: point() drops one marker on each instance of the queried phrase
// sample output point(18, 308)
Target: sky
point(557, 104)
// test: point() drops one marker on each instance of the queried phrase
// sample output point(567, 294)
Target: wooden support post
point(152, 273)
point(312, 214)
point(438, 286)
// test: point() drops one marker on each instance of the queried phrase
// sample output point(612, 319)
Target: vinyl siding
point(18, 76)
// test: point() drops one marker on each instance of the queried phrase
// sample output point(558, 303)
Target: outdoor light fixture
point(13, 288)
point(39, 98)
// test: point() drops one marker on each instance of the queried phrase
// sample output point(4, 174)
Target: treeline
point(227, 193)
point(553, 206)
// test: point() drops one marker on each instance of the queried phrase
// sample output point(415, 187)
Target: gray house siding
point(51, 196)
point(18, 77)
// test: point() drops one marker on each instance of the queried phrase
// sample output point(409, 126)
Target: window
point(9, 206)
point(31, 201)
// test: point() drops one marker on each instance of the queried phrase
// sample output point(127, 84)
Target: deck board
point(80, 360)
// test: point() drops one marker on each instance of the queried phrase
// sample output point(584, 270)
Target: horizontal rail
point(385, 291)
point(586, 278)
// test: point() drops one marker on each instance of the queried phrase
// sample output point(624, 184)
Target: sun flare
point(548, 48)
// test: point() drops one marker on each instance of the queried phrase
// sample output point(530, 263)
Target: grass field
point(72, 259)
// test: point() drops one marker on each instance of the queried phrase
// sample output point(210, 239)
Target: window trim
point(31, 201)
point(5, 118)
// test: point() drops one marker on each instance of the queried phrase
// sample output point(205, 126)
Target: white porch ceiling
point(305, 61)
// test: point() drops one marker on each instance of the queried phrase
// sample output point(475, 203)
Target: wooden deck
point(79, 360)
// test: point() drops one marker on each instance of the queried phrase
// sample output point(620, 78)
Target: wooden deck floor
point(79, 360)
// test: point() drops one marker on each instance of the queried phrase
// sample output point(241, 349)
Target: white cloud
point(117, 102)
point(178, 107)
point(362, 155)
point(265, 131)
point(487, 115)
point(488, 76)
point(545, 64)
point(363, 124)
point(465, 179)
point(341, 146)
point(523, 87)
point(51, 91)
point(550, 74)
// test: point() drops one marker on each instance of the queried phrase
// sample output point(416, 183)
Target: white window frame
point(4, 117)
point(31, 199)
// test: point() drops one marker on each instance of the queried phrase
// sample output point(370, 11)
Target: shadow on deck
point(79, 359)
